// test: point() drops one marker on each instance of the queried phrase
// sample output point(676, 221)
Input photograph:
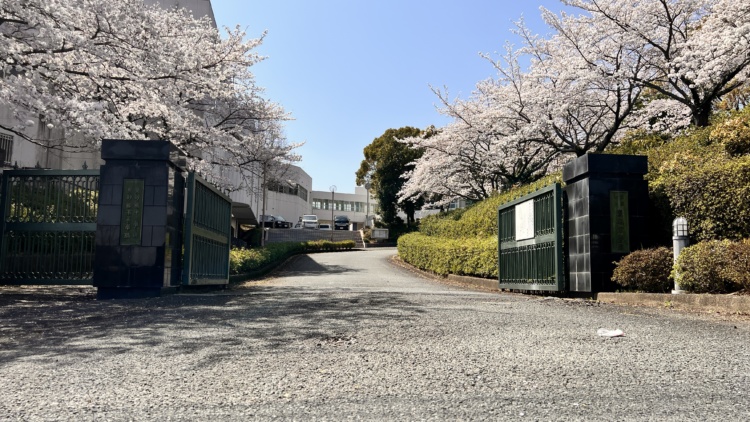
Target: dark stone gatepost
point(607, 214)
point(139, 225)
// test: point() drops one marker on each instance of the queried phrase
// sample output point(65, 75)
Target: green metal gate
point(530, 242)
point(48, 220)
point(207, 234)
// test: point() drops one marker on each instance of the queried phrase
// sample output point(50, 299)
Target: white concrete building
point(352, 205)
point(289, 198)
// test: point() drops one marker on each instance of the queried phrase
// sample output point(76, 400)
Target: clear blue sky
point(349, 70)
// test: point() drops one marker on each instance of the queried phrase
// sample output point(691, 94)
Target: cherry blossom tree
point(692, 52)
point(519, 126)
point(490, 145)
point(580, 93)
point(120, 69)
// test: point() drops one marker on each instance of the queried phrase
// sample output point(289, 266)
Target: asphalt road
point(349, 336)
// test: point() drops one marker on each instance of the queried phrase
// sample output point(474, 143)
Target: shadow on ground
point(303, 265)
point(46, 323)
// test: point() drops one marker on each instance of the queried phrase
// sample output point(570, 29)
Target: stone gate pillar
point(607, 216)
point(139, 225)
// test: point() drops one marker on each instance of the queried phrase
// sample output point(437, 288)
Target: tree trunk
point(701, 114)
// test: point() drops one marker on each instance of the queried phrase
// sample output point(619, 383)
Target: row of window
point(351, 206)
point(286, 188)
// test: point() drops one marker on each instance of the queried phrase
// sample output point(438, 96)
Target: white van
point(309, 221)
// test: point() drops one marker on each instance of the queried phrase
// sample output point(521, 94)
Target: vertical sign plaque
point(132, 212)
point(619, 220)
point(525, 220)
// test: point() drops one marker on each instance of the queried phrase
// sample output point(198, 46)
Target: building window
point(346, 206)
point(286, 188)
point(302, 192)
point(6, 149)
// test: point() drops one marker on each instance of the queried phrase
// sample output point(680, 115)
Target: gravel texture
point(349, 336)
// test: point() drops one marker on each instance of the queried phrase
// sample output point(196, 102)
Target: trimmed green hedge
point(480, 219)
point(714, 266)
point(243, 261)
point(327, 245)
point(474, 257)
point(646, 270)
point(464, 241)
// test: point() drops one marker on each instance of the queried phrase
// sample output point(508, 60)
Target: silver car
point(309, 221)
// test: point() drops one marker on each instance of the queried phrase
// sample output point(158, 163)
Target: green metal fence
point(48, 220)
point(207, 234)
point(530, 242)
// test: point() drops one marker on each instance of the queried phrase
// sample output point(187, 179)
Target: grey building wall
point(199, 8)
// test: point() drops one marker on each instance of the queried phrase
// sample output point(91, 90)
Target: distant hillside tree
point(386, 162)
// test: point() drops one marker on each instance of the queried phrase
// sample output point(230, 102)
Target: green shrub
point(714, 198)
point(476, 257)
point(694, 176)
point(639, 143)
point(734, 133)
point(739, 270)
point(243, 260)
point(646, 270)
point(671, 162)
point(714, 266)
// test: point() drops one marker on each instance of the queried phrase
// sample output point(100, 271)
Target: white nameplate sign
point(525, 220)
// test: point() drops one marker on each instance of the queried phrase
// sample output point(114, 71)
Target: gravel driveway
point(340, 336)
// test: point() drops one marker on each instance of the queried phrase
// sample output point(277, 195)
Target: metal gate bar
point(48, 220)
point(530, 247)
point(207, 234)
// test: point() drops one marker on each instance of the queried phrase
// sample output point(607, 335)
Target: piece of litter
point(603, 332)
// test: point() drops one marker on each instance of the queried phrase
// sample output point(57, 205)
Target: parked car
point(275, 221)
point(341, 222)
point(310, 221)
point(324, 227)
